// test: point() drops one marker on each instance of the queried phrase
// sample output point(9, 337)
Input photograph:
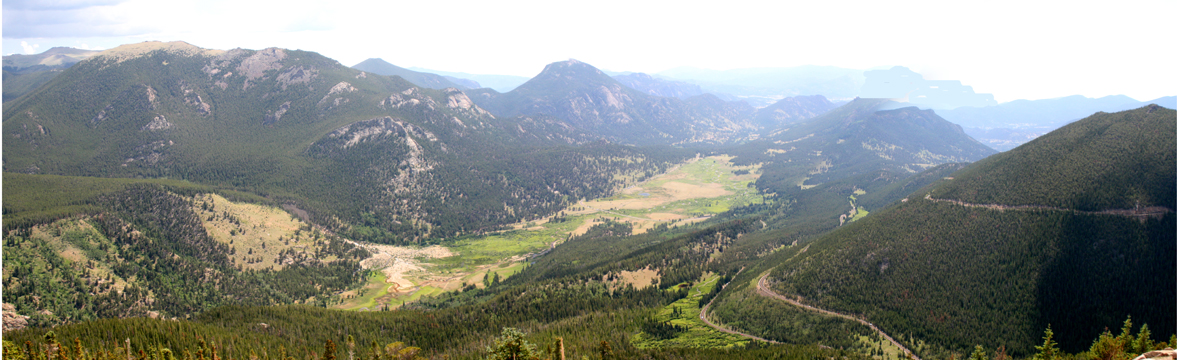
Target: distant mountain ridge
point(501, 83)
point(901, 83)
point(1010, 124)
point(764, 86)
point(792, 110)
point(25, 73)
point(54, 58)
point(659, 87)
point(427, 80)
point(589, 99)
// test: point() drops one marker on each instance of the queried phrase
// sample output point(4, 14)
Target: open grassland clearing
point(685, 314)
point(690, 192)
point(365, 297)
point(262, 237)
point(856, 212)
point(398, 274)
point(879, 348)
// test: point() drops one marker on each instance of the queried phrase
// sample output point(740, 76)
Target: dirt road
point(763, 290)
point(1141, 213)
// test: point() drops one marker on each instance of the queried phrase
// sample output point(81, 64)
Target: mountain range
point(186, 201)
point(370, 156)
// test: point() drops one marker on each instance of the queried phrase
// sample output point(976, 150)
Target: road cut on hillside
point(763, 289)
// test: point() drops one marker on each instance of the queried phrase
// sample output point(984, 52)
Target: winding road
point(1141, 213)
point(703, 316)
point(763, 289)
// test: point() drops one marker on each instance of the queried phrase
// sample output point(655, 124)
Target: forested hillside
point(141, 248)
point(855, 139)
point(372, 157)
point(1121, 160)
point(997, 272)
point(585, 297)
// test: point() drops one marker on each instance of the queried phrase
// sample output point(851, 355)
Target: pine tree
point(329, 350)
point(978, 353)
point(1049, 349)
point(510, 345)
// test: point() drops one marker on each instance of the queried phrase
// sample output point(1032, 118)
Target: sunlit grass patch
point(685, 313)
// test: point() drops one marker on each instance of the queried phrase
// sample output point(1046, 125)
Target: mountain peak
point(570, 68)
point(131, 51)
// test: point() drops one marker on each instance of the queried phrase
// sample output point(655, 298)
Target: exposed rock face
point(101, 114)
point(1166, 354)
point(276, 115)
point(159, 123)
point(297, 75)
point(256, 65)
point(456, 99)
point(342, 87)
point(12, 320)
point(399, 139)
point(193, 99)
point(366, 130)
point(409, 98)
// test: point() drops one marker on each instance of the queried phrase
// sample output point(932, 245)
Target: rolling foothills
point(164, 201)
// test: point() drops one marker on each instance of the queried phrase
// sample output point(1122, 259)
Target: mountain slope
point(854, 139)
point(150, 248)
point(372, 157)
point(425, 80)
point(659, 87)
point(792, 110)
point(590, 100)
point(500, 83)
point(25, 73)
point(956, 274)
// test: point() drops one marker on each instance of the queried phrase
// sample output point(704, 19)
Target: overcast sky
point(1012, 49)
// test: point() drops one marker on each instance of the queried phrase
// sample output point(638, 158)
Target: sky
point(1011, 49)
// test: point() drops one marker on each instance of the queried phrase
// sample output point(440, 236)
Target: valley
point(186, 203)
point(687, 193)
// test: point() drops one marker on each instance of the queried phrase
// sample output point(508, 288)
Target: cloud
point(56, 4)
point(87, 22)
point(29, 49)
